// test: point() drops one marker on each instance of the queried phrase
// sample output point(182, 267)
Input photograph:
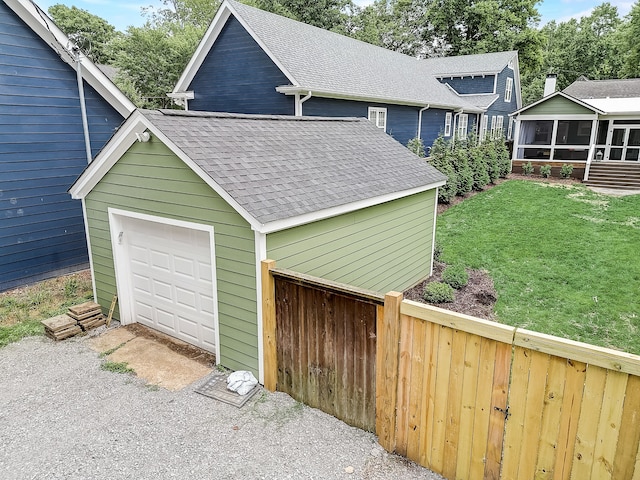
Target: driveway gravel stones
point(62, 417)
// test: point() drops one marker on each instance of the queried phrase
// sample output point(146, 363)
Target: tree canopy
point(600, 45)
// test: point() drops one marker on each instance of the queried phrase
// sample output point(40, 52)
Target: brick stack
point(88, 315)
point(79, 318)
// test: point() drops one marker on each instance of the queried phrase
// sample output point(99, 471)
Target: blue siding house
point(44, 145)
point(252, 61)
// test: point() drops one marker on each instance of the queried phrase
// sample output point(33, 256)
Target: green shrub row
point(469, 165)
point(454, 277)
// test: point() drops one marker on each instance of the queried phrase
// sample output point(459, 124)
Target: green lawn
point(565, 261)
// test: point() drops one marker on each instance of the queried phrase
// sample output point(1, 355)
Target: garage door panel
point(163, 290)
point(171, 279)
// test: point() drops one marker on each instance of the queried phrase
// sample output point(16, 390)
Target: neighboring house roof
point(284, 169)
point(108, 70)
point(333, 65)
point(482, 100)
point(477, 64)
point(620, 96)
point(621, 88)
point(47, 30)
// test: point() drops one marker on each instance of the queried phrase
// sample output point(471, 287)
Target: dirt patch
point(189, 351)
point(477, 298)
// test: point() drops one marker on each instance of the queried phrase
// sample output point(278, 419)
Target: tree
point(629, 43)
point(152, 58)
point(589, 46)
point(91, 33)
point(197, 14)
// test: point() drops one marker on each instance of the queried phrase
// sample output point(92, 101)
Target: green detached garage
point(181, 208)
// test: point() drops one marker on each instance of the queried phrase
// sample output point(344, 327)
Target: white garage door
point(170, 279)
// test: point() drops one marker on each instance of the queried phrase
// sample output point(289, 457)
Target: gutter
point(181, 98)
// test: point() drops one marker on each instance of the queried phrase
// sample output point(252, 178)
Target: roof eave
point(294, 89)
point(49, 32)
point(284, 224)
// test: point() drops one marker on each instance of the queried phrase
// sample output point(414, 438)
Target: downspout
point(83, 107)
point(299, 102)
point(419, 136)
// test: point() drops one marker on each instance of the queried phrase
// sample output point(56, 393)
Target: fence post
point(387, 350)
point(269, 326)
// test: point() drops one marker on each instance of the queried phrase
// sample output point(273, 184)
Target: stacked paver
point(79, 318)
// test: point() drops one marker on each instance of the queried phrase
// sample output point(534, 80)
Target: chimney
point(550, 84)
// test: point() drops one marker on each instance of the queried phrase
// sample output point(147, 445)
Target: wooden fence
point(469, 398)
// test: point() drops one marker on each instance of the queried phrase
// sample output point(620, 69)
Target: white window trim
point(448, 121)
point(510, 129)
point(494, 122)
point(379, 117)
point(499, 126)
point(508, 90)
point(463, 124)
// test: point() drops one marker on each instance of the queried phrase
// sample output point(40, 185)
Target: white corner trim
point(261, 254)
point(88, 237)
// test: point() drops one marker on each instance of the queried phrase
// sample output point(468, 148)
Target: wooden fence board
point(442, 398)
point(609, 425)
point(404, 382)
point(468, 410)
point(533, 409)
point(429, 394)
point(569, 416)
point(418, 376)
point(551, 415)
point(629, 439)
point(588, 422)
point(483, 409)
point(498, 405)
point(454, 403)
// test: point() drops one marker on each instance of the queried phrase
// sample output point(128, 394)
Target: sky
point(124, 13)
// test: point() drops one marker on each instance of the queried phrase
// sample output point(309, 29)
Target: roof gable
point(46, 29)
point(328, 64)
point(558, 103)
point(280, 170)
point(468, 65)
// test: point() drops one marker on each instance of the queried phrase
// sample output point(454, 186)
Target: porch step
point(624, 176)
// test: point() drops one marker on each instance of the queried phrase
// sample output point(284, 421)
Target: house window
point(508, 90)
point(463, 122)
point(493, 126)
point(499, 127)
point(378, 116)
point(447, 124)
point(510, 130)
point(484, 127)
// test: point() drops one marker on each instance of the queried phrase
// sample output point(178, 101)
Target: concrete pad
point(110, 339)
point(158, 364)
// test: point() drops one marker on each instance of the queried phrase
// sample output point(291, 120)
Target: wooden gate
point(326, 347)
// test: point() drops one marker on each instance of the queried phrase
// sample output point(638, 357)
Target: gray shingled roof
point(320, 60)
point(478, 64)
point(280, 167)
point(621, 88)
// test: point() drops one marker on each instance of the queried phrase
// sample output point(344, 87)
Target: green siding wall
point(557, 106)
point(381, 248)
point(150, 179)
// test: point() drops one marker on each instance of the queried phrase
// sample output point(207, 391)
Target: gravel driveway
point(61, 416)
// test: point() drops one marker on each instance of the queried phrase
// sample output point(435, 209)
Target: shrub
point(455, 275)
point(464, 173)
point(504, 161)
point(438, 292)
point(565, 171)
point(491, 159)
point(416, 146)
point(441, 159)
point(437, 251)
point(545, 171)
point(527, 169)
